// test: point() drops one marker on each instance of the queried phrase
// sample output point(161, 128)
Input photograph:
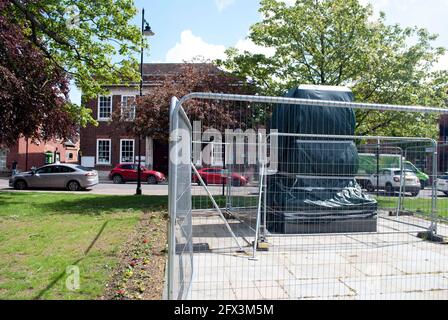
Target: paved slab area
point(380, 265)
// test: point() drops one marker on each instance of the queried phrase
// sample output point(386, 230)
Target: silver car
point(56, 176)
point(442, 184)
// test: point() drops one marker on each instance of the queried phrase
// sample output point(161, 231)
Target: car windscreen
point(444, 177)
point(406, 172)
point(411, 167)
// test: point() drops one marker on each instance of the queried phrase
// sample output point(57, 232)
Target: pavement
point(392, 264)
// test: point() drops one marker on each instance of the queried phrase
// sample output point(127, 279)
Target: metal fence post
point(260, 200)
point(172, 199)
point(402, 182)
point(435, 162)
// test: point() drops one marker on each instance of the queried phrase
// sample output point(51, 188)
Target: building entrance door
point(3, 156)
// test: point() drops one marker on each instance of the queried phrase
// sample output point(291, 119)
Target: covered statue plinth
point(314, 189)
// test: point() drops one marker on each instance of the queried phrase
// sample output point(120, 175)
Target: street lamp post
point(146, 31)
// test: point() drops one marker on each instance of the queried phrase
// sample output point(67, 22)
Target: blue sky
point(187, 28)
point(219, 25)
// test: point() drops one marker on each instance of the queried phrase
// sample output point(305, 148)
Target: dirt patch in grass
point(141, 271)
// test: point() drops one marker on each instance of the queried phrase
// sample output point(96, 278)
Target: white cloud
point(191, 46)
point(289, 2)
point(442, 64)
point(222, 4)
point(248, 45)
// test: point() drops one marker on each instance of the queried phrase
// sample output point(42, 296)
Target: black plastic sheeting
point(315, 183)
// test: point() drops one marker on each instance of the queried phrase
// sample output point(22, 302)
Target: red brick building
point(30, 154)
point(107, 145)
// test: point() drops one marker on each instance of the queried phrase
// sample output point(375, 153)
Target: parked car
point(128, 172)
point(369, 163)
point(56, 176)
point(390, 181)
point(219, 176)
point(423, 177)
point(442, 184)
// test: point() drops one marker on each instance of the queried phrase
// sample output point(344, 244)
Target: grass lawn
point(41, 234)
point(422, 205)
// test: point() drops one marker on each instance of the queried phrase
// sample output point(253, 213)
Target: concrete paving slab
point(379, 286)
point(213, 294)
point(248, 291)
point(316, 289)
point(271, 290)
point(319, 271)
point(377, 269)
point(419, 295)
point(367, 266)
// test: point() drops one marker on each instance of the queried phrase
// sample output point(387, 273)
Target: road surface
point(108, 188)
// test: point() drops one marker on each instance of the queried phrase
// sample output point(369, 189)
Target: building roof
point(154, 73)
point(164, 69)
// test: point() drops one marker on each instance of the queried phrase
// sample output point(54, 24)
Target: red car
point(219, 176)
point(128, 172)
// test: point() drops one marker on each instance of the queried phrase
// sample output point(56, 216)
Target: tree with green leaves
point(339, 42)
point(46, 44)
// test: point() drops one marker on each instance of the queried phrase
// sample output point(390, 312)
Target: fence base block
point(432, 237)
point(196, 248)
point(353, 225)
point(228, 215)
point(401, 213)
point(262, 245)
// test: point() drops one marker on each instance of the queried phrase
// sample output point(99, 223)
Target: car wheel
point(205, 182)
point(369, 187)
point(446, 193)
point(152, 180)
point(73, 186)
point(117, 179)
point(389, 189)
point(20, 185)
point(414, 194)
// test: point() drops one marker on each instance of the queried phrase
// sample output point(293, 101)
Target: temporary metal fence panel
point(387, 183)
point(281, 215)
point(180, 264)
point(442, 181)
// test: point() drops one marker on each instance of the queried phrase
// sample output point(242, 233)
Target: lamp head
point(147, 32)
